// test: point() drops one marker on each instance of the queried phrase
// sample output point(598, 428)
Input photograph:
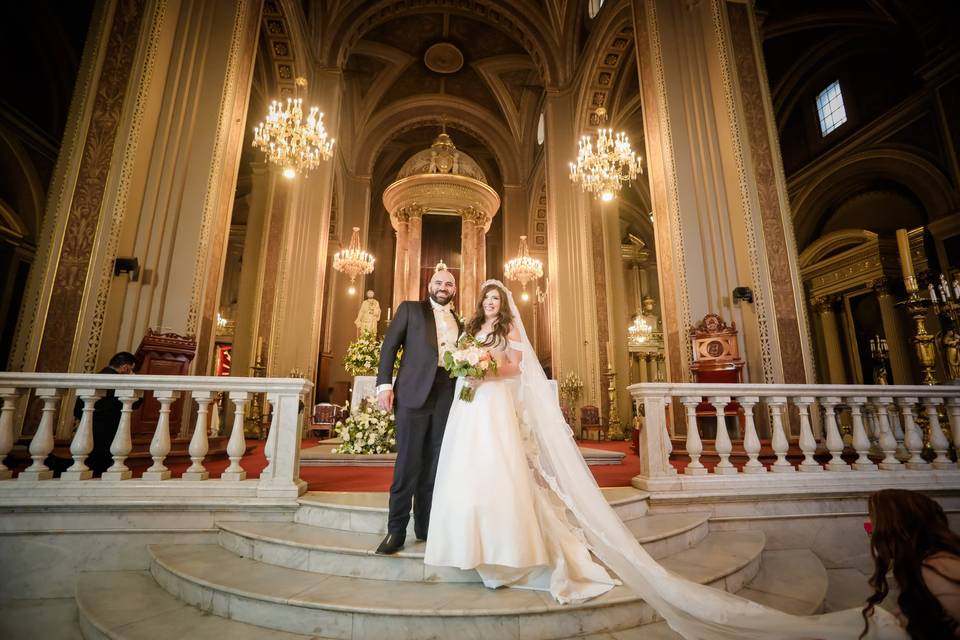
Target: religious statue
point(951, 350)
point(369, 316)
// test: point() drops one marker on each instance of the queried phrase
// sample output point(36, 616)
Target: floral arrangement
point(469, 360)
point(363, 356)
point(368, 430)
point(571, 387)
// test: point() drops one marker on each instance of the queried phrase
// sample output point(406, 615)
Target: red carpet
point(379, 478)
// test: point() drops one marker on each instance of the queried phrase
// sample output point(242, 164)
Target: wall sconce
point(743, 293)
point(129, 265)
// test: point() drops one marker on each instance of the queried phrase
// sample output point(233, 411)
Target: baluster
point(834, 438)
point(938, 441)
point(9, 396)
point(82, 443)
point(861, 442)
point(873, 428)
point(199, 443)
point(779, 440)
point(888, 444)
point(751, 441)
point(896, 427)
point(913, 437)
point(694, 443)
point(42, 443)
point(271, 442)
point(808, 444)
point(722, 442)
point(953, 410)
point(236, 447)
point(160, 444)
point(122, 442)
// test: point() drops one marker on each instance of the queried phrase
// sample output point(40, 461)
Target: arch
point(22, 177)
point(612, 35)
point(914, 172)
point(834, 242)
point(517, 18)
point(479, 122)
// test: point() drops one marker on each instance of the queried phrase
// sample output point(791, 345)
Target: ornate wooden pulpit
point(165, 354)
point(716, 358)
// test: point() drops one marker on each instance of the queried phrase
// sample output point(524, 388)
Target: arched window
point(540, 130)
point(594, 7)
point(830, 110)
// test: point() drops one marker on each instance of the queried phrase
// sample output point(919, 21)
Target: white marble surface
point(47, 618)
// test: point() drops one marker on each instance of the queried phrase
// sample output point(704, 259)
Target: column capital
point(825, 304)
point(405, 214)
point(477, 216)
point(881, 286)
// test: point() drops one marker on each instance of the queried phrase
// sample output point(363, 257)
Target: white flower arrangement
point(363, 356)
point(368, 430)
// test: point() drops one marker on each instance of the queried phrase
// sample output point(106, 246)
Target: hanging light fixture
point(523, 268)
point(353, 260)
point(290, 142)
point(603, 170)
point(639, 332)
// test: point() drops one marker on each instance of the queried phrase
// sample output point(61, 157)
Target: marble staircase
point(318, 577)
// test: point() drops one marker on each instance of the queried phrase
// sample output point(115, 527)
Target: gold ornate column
point(896, 341)
point(836, 367)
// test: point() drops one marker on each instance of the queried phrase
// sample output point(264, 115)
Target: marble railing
point(892, 434)
point(54, 394)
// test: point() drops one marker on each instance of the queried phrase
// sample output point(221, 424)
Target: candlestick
point(906, 262)
point(259, 352)
point(933, 293)
point(609, 355)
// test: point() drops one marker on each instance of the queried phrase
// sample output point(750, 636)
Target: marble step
point(130, 605)
point(793, 581)
point(352, 553)
point(367, 512)
point(221, 583)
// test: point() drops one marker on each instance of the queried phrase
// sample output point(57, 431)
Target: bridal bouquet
point(469, 360)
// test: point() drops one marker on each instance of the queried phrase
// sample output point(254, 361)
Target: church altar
point(366, 386)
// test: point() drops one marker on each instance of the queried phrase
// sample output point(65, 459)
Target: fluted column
point(401, 226)
point(897, 344)
point(414, 252)
point(833, 346)
point(472, 235)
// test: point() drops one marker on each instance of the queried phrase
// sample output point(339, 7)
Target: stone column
point(471, 234)
point(414, 252)
point(571, 292)
point(401, 225)
point(480, 246)
point(897, 343)
point(833, 345)
point(718, 190)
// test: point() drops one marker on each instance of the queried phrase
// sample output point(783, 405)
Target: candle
point(609, 354)
point(389, 311)
point(933, 294)
point(943, 293)
point(259, 347)
point(906, 262)
point(956, 288)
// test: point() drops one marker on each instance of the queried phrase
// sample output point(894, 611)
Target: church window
point(830, 108)
point(594, 7)
point(540, 130)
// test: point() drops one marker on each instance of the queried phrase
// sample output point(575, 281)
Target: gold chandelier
point(353, 260)
point(639, 332)
point(523, 268)
point(602, 170)
point(288, 141)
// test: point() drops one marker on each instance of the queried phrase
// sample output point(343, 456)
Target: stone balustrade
point(54, 393)
point(877, 428)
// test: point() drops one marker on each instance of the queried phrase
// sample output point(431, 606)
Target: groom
point(423, 395)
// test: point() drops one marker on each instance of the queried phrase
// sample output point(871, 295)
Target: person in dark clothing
point(106, 414)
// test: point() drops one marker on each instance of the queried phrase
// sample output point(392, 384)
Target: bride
point(515, 500)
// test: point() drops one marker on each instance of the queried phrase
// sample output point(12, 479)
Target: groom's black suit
point(423, 393)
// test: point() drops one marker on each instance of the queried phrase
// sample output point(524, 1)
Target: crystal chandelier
point(353, 260)
point(288, 141)
point(523, 268)
point(639, 332)
point(602, 170)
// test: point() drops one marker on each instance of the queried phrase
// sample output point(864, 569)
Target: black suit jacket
point(415, 329)
point(106, 412)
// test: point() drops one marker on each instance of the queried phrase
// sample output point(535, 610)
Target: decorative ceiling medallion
point(443, 57)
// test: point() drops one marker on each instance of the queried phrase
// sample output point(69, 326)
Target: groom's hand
point(385, 399)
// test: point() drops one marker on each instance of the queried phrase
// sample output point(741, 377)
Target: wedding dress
point(488, 511)
point(695, 611)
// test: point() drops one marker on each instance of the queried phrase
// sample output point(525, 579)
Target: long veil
point(695, 611)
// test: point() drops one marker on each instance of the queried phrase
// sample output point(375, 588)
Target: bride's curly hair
point(503, 323)
point(909, 527)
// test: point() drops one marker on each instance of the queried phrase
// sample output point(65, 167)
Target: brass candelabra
point(924, 343)
point(614, 428)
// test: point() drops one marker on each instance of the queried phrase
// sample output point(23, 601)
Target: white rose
point(473, 357)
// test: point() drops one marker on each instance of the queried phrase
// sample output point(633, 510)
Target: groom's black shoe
point(391, 544)
point(421, 536)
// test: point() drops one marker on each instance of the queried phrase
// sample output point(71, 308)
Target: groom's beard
point(435, 297)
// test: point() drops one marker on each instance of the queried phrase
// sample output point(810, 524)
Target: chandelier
point(602, 170)
point(523, 268)
point(288, 141)
point(639, 332)
point(353, 260)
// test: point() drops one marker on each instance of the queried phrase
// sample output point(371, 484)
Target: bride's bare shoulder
point(513, 334)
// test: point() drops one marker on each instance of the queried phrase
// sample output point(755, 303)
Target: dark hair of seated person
point(122, 358)
point(909, 528)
